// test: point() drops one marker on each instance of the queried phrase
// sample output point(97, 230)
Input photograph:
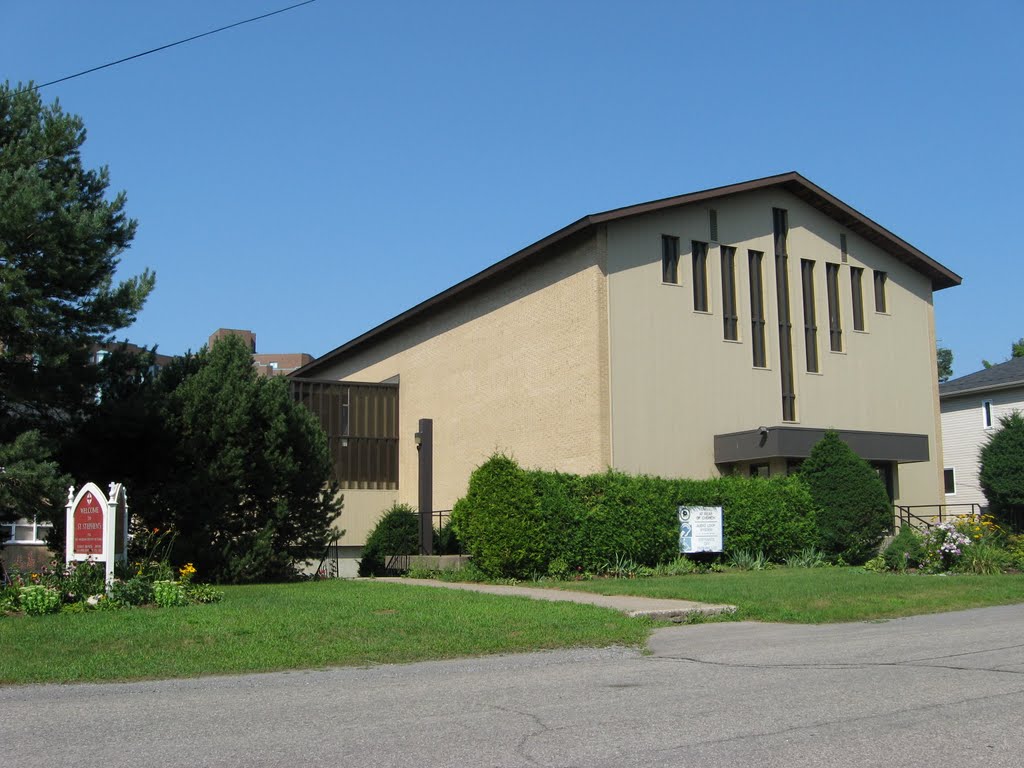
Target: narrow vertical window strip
point(669, 259)
point(880, 281)
point(781, 226)
point(757, 321)
point(857, 291)
point(700, 276)
point(810, 322)
point(730, 319)
point(986, 414)
point(835, 326)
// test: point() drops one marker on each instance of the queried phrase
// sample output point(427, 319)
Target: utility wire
point(164, 47)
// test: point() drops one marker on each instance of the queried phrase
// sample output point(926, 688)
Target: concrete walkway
point(652, 607)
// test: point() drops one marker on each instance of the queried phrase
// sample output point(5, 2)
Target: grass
point(359, 623)
point(262, 628)
point(823, 595)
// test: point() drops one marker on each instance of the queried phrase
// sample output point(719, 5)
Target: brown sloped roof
point(792, 182)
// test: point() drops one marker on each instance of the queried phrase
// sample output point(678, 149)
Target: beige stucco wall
point(519, 367)
point(675, 382)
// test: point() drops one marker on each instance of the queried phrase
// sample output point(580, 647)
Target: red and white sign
point(97, 526)
point(88, 525)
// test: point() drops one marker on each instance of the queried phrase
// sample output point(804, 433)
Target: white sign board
point(700, 529)
point(97, 526)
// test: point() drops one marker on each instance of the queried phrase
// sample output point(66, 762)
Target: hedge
point(515, 522)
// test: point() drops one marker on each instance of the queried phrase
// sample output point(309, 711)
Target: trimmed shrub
point(500, 522)
point(853, 507)
point(396, 533)
point(1002, 470)
point(519, 524)
point(905, 551)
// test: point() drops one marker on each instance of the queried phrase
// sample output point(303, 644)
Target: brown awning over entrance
point(764, 443)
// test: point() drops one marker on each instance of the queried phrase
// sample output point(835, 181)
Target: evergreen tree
point(1002, 468)
point(246, 470)
point(853, 508)
point(60, 242)
point(31, 484)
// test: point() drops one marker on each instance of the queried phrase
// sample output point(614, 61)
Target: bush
point(500, 521)
point(520, 524)
point(905, 551)
point(1002, 470)
point(138, 590)
point(396, 533)
point(38, 600)
point(853, 507)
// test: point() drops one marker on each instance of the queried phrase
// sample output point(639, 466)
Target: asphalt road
point(931, 690)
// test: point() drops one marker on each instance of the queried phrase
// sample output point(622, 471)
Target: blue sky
point(311, 175)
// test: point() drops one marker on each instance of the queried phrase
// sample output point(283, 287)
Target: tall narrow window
point(810, 324)
point(986, 414)
point(880, 280)
point(730, 320)
point(700, 276)
point(754, 259)
point(949, 480)
point(842, 247)
point(857, 289)
point(669, 259)
point(780, 220)
point(835, 325)
point(713, 225)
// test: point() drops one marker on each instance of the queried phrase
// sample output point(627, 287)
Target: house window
point(730, 319)
point(700, 276)
point(835, 326)
point(810, 325)
point(880, 280)
point(713, 225)
point(843, 250)
point(670, 259)
point(25, 531)
point(754, 259)
point(857, 289)
point(781, 227)
point(760, 470)
point(949, 480)
point(986, 414)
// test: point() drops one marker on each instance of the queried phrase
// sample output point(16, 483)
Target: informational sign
point(88, 524)
point(700, 529)
point(97, 526)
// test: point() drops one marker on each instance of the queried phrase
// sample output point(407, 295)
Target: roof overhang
point(764, 443)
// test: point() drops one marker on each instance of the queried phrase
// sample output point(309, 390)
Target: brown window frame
point(755, 264)
point(835, 321)
point(857, 294)
point(670, 259)
point(730, 315)
point(810, 315)
point(700, 275)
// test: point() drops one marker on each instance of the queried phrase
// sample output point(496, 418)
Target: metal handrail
point(906, 516)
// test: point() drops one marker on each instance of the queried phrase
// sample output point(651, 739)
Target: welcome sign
point(97, 526)
point(700, 529)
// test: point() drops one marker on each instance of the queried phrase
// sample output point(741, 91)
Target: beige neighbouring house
point(719, 331)
point(972, 406)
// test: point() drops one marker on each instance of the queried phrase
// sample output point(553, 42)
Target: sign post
point(97, 526)
point(700, 529)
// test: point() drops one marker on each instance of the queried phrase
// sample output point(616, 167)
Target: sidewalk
point(654, 608)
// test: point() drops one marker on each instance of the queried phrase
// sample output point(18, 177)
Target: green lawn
point(824, 595)
point(343, 623)
point(296, 626)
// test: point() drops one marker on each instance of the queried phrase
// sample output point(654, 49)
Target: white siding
point(963, 435)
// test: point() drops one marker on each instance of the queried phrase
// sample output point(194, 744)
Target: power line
point(164, 47)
